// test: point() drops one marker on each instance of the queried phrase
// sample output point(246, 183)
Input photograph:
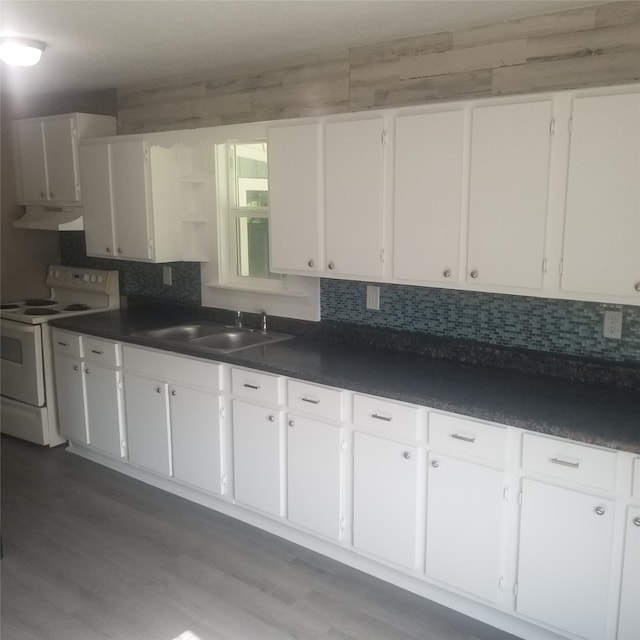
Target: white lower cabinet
point(258, 463)
point(466, 511)
point(70, 392)
point(148, 435)
point(385, 499)
point(314, 477)
point(564, 558)
point(629, 618)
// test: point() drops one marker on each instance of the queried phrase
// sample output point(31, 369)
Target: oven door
point(22, 366)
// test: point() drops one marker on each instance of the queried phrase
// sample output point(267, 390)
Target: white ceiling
point(102, 44)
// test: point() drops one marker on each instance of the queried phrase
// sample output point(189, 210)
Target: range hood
point(51, 219)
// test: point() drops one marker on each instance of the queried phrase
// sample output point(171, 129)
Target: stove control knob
point(50, 273)
point(56, 274)
point(100, 279)
point(85, 277)
point(93, 278)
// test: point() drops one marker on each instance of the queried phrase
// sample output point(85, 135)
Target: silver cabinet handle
point(377, 416)
point(406, 455)
point(310, 400)
point(565, 463)
point(76, 368)
point(119, 250)
point(52, 194)
point(291, 423)
point(158, 389)
point(637, 287)
point(108, 249)
point(474, 273)
point(97, 352)
point(600, 510)
point(636, 521)
point(446, 273)
point(271, 418)
point(435, 464)
point(310, 263)
point(251, 386)
point(331, 265)
point(43, 194)
point(174, 392)
point(87, 371)
point(457, 436)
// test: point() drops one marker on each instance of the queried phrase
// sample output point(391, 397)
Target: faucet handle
point(263, 313)
point(238, 318)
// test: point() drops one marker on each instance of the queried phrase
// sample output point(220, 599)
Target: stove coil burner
point(9, 306)
point(39, 303)
point(39, 311)
point(78, 306)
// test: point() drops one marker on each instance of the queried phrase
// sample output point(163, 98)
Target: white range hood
point(51, 219)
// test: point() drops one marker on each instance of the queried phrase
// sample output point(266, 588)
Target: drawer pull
point(292, 423)
point(97, 352)
point(636, 521)
point(63, 344)
point(435, 464)
point(271, 418)
point(457, 436)
point(406, 455)
point(76, 368)
point(310, 400)
point(251, 386)
point(174, 393)
point(565, 463)
point(377, 416)
point(600, 510)
point(158, 389)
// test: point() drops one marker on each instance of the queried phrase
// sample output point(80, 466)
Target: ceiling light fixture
point(20, 52)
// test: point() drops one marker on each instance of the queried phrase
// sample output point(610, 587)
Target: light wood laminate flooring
point(92, 554)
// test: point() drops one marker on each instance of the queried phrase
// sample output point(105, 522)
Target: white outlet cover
point(612, 326)
point(373, 297)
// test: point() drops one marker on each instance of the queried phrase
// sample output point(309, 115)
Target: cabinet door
point(195, 437)
point(314, 475)
point(95, 171)
point(629, 620)
point(258, 457)
point(104, 409)
point(131, 198)
point(564, 558)
point(70, 397)
point(385, 478)
point(465, 525)
point(294, 198)
point(147, 411)
point(30, 141)
point(62, 164)
point(508, 194)
point(354, 178)
point(428, 196)
point(602, 225)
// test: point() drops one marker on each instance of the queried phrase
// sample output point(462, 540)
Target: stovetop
point(74, 291)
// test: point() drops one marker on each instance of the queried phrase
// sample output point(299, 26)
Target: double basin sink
point(211, 337)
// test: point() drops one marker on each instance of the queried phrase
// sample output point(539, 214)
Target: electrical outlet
point(373, 297)
point(167, 276)
point(612, 327)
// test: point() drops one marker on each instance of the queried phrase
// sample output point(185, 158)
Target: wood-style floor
point(91, 554)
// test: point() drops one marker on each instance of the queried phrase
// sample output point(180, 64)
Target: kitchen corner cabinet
point(47, 156)
point(131, 200)
point(428, 196)
point(602, 226)
point(295, 215)
point(508, 193)
point(354, 189)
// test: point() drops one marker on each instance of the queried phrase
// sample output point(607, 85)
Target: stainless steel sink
point(213, 337)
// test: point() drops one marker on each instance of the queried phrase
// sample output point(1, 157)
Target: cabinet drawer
point(181, 369)
point(570, 461)
point(393, 418)
point(322, 402)
point(262, 387)
point(69, 343)
point(103, 351)
point(477, 439)
point(636, 478)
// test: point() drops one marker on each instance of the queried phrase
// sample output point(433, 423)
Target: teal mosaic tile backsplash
point(137, 277)
point(557, 326)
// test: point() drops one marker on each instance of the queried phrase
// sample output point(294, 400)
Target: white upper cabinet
point(428, 196)
point(295, 215)
point(508, 193)
point(131, 200)
point(354, 187)
point(47, 156)
point(602, 225)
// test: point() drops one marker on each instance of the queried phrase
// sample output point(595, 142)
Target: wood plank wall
point(592, 46)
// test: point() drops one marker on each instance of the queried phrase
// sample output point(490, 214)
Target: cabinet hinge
point(384, 138)
point(544, 265)
point(552, 127)
point(223, 479)
point(120, 386)
point(343, 445)
point(515, 589)
point(222, 412)
point(570, 125)
point(520, 498)
point(342, 524)
point(500, 583)
point(505, 494)
point(561, 266)
point(381, 255)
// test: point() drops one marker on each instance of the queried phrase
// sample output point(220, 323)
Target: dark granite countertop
point(588, 412)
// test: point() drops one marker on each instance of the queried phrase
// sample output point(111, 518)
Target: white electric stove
point(27, 399)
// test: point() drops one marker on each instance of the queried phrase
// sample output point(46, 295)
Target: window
point(248, 223)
